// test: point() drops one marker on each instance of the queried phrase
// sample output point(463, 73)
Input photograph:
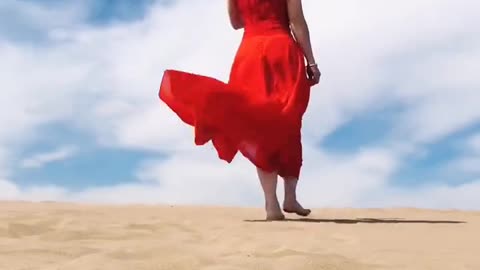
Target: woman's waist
point(265, 28)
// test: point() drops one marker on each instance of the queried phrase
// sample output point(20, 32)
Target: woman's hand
point(313, 74)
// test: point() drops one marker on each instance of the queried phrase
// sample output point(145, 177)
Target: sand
point(87, 237)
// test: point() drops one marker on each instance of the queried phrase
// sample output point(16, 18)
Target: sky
point(395, 121)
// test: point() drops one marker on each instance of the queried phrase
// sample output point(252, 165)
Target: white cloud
point(420, 54)
point(9, 190)
point(473, 144)
point(341, 180)
point(469, 161)
point(468, 164)
point(41, 159)
point(464, 196)
point(32, 18)
point(198, 176)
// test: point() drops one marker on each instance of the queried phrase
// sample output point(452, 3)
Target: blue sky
point(394, 122)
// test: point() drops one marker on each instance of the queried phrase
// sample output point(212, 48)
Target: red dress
point(259, 111)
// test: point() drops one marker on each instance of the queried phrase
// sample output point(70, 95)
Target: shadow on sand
point(362, 220)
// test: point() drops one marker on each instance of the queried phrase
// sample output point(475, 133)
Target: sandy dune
point(88, 237)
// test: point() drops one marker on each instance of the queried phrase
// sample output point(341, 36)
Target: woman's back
point(263, 14)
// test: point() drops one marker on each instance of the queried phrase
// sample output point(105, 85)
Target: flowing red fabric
point(259, 111)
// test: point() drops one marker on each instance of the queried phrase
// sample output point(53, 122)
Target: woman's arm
point(302, 36)
point(300, 28)
point(235, 18)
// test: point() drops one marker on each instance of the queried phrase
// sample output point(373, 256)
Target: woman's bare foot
point(290, 203)
point(296, 208)
point(274, 212)
point(268, 181)
point(275, 217)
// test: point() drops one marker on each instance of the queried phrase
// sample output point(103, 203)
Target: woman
point(259, 111)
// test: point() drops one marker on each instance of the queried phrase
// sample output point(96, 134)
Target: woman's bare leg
point(290, 203)
point(269, 186)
